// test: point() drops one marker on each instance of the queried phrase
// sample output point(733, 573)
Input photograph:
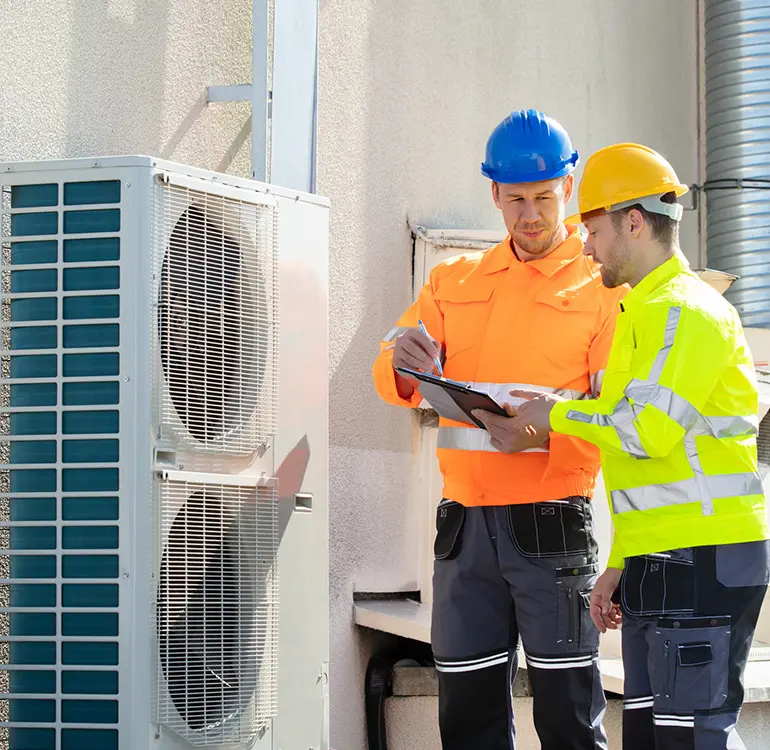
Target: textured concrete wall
point(122, 77)
point(409, 90)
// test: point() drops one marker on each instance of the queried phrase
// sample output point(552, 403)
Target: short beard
point(610, 280)
point(537, 247)
point(611, 277)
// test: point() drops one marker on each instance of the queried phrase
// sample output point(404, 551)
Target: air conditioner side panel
point(136, 507)
point(302, 461)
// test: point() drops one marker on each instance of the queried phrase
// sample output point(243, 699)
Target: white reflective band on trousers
point(560, 662)
point(673, 720)
point(475, 439)
point(472, 665)
point(642, 393)
point(633, 704)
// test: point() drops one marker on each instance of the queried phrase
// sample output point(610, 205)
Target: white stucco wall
point(409, 90)
point(124, 77)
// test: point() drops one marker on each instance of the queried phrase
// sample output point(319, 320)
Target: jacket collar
point(655, 279)
point(502, 256)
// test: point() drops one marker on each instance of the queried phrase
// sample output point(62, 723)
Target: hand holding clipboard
point(451, 399)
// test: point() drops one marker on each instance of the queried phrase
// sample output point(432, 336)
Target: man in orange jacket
point(515, 554)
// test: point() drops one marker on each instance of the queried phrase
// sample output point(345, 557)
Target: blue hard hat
point(528, 146)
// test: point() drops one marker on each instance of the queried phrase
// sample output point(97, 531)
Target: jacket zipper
point(667, 662)
point(570, 616)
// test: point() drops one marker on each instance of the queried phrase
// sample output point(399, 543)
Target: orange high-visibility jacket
point(545, 325)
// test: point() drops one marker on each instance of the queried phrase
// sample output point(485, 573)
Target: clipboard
point(452, 399)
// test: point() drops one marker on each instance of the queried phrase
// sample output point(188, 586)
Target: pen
point(436, 360)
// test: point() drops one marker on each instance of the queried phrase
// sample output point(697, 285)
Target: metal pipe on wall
point(737, 95)
point(284, 122)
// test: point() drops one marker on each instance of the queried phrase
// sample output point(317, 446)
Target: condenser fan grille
point(216, 612)
point(217, 316)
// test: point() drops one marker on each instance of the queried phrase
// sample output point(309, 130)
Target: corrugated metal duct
point(737, 91)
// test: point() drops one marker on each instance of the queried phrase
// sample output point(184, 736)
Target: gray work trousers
point(504, 573)
point(689, 617)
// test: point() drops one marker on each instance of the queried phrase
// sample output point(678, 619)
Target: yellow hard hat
point(623, 174)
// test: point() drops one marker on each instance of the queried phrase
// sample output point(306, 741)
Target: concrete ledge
point(403, 617)
point(423, 681)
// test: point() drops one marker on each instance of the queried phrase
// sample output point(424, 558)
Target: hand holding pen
point(415, 349)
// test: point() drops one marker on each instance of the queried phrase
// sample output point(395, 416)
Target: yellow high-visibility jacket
point(676, 420)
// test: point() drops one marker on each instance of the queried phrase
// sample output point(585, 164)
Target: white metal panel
point(434, 246)
point(302, 460)
point(295, 67)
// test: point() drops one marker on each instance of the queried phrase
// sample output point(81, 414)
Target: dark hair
point(664, 229)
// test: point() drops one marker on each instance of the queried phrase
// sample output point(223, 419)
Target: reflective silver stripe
point(672, 322)
point(630, 439)
point(678, 409)
point(395, 332)
point(633, 704)
point(644, 392)
point(704, 488)
point(596, 383)
point(470, 665)
point(471, 439)
point(561, 662)
point(664, 399)
point(622, 420)
point(733, 427)
point(500, 392)
point(671, 720)
point(718, 427)
point(686, 491)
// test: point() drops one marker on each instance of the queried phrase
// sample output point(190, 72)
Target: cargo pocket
point(743, 564)
point(465, 309)
point(657, 585)
point(557, 528)
point(689, 663)
point(449, 523)
point(575, 629)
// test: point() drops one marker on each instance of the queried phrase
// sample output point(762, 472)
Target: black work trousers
point(504, 573)
point(689, 617)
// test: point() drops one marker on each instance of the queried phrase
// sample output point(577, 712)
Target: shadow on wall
point(430, 99)
point(117, 76)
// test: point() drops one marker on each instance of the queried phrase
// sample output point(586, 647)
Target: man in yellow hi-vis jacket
point(676, 425)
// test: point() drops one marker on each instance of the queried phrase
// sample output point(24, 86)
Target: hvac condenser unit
point(140, 446)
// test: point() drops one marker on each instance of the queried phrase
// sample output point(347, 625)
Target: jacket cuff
point(616, 558)
point(559, 421)
point(385, 381)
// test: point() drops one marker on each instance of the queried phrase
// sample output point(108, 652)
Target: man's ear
point(496, 194)
point(569, 186)
point(635, 221)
